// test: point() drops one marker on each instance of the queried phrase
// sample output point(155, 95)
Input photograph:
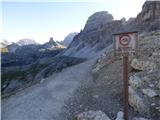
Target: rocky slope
point(104, 91)
point(68, 39)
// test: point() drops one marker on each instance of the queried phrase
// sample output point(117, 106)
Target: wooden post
point(125, 86)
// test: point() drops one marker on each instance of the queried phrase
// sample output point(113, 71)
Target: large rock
point(136, 101)
point(149, 92)
point(93, 115)
point(142, 65)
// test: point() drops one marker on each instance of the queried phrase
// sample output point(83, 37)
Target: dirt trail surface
point(45, 100)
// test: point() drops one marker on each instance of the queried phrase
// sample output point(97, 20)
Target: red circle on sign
point(124, 40)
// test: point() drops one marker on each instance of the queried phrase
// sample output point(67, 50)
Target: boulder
point(92, 115)
point(136, 101)
point(135, 82)
point(142, 65)
point(149, 92)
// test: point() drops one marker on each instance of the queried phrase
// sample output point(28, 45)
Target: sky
point(42, 19)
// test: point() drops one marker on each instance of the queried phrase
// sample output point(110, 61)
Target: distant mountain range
point(25, 43)
point(12, 46)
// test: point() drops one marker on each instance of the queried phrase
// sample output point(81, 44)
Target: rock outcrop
point(149, 18)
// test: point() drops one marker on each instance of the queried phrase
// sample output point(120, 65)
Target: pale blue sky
point(42, 20)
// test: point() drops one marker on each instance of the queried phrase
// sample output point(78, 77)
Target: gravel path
point(44, 101)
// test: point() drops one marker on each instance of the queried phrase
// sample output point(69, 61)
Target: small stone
point(135, 82)
point(42, 80)
point(120, 116)
point(96, 96)
point(153, 104)
point(149, 92)
point(80, 106)
point(151, 85)
point(158, 108)
point(158, 85)
point(139, 118)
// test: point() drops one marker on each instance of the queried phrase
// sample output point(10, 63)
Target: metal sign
point(125, 44)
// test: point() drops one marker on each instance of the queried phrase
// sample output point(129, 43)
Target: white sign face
point(125, 41)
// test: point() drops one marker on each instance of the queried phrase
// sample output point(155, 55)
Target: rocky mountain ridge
point(97, 33)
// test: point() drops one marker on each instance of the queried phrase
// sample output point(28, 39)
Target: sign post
point(125, 44)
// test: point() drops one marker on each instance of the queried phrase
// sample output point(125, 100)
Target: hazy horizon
point(42, 20)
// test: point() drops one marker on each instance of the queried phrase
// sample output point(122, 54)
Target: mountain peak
point(26, 41)
point(97, 19)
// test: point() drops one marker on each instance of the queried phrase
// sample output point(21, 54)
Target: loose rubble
point(92, 115)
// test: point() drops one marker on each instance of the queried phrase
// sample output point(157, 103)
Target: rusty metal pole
point(125, 86)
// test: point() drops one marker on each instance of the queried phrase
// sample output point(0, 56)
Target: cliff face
point(149, 18)
point(150, 12)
